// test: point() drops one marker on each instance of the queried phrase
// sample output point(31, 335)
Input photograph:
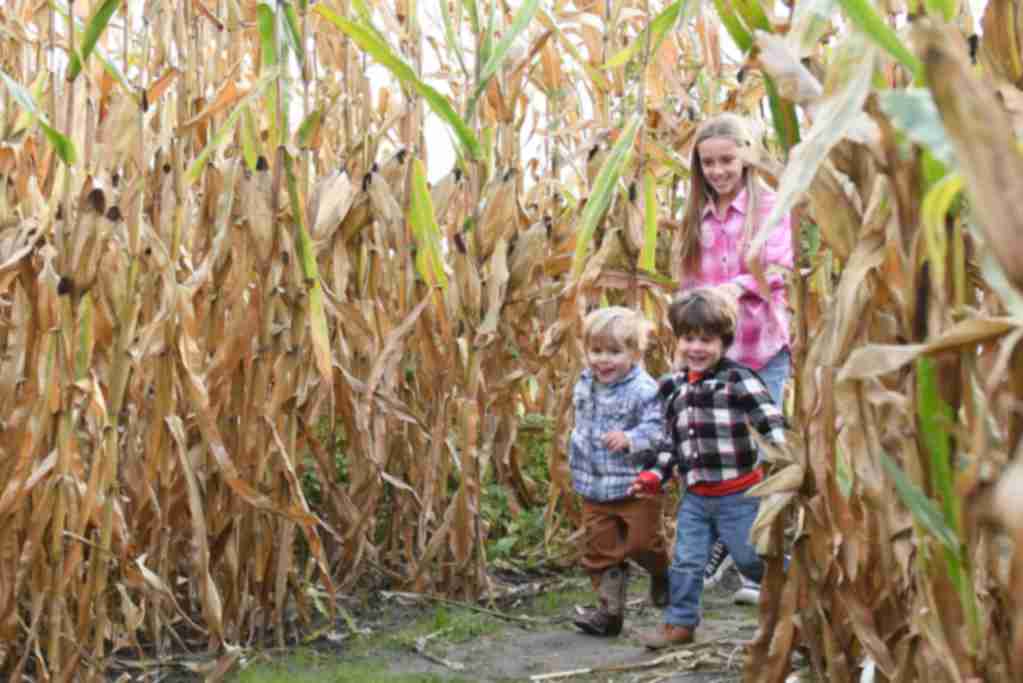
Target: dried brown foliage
point(172, 372)
point(226, 292)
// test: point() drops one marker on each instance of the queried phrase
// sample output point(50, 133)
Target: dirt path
point(406, 639)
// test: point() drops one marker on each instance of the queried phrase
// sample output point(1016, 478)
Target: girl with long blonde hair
point(725, 210)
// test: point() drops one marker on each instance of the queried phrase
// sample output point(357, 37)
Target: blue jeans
point(701, 521)
point(775, 372)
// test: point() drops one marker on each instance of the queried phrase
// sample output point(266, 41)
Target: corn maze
point(252, 251)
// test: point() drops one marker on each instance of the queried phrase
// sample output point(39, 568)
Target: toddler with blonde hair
point(618, 420)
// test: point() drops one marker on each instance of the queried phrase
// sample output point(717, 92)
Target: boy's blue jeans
point(701, 521)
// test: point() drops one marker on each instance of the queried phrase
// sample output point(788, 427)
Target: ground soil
point(523, 636)
point(539, 639)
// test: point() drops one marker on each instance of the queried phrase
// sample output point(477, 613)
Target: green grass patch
point(553, 603)
point(308, 666)
point(444, 625)
point(340, 673)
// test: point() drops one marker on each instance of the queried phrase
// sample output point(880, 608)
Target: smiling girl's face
point(722, 167)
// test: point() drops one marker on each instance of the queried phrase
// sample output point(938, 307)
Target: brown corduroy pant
point(621, 530)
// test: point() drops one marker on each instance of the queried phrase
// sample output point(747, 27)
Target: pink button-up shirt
point(763, 326)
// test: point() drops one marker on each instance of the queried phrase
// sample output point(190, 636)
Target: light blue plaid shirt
point(629, 405)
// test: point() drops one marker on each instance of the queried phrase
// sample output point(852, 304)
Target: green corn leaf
point(379, 51)
point(867, 20)
point(935, 207)
point(915, 115)
point(425, 230)
point(93, 30)
point(266, 20)
point(936, 419)
point(291, 32)
point(924, 510)
point(741, 36)
point(944, 9)
point(753, 15)
point(27, 117)
point(61, 144)
point(108, 65)
point(783, 115)
point(449, 38)
point(86, 337)
point(667, 283)
point(249, 139)
point(603, 191)
point(366, 17)
point(307, 260)
point(362, 10)
point(658, 29)
point(648, 253)
point(487, 44)
point(519, 24)
point(474, 15)
point(309, 127)
point(226, 129)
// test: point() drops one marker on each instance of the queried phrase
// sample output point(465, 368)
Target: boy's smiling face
point(700, 351)
point(609, 363)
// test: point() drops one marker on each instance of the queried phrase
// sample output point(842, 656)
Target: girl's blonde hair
point(730, 127)
point(618, 327)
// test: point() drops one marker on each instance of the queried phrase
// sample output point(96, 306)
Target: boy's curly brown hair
point(704, 310)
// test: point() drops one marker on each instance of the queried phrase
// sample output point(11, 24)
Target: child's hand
point(646, 484)
point(616, 441)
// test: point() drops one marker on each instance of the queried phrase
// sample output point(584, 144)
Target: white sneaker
point(748, 594)
point(717, 565)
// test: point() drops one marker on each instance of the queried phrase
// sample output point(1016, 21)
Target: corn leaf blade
point(603, 191)
point(657, 28)
point(226, 129)
point(379, 50)
point(914, 113)
point(649, 251)
point(739, 33)
point(292, 33)
point(867, 20)
point(924, 510)
point(314, 290)
point(62, 145)
point(519, 24)
point(425, 229)
point(93, 30)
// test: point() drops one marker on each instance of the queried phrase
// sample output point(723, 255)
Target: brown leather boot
point(607, 619)
point(666, 635)
point(659, 590)
point(599, 622)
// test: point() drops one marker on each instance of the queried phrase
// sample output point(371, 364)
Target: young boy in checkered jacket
point(618, 420)
point(711, 407)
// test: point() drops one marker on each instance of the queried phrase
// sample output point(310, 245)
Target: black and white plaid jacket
point(708, 424)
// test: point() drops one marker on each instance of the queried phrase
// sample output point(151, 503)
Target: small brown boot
point(607, 619)
point(659, 590)
point(599, 622)
point(666, 635)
